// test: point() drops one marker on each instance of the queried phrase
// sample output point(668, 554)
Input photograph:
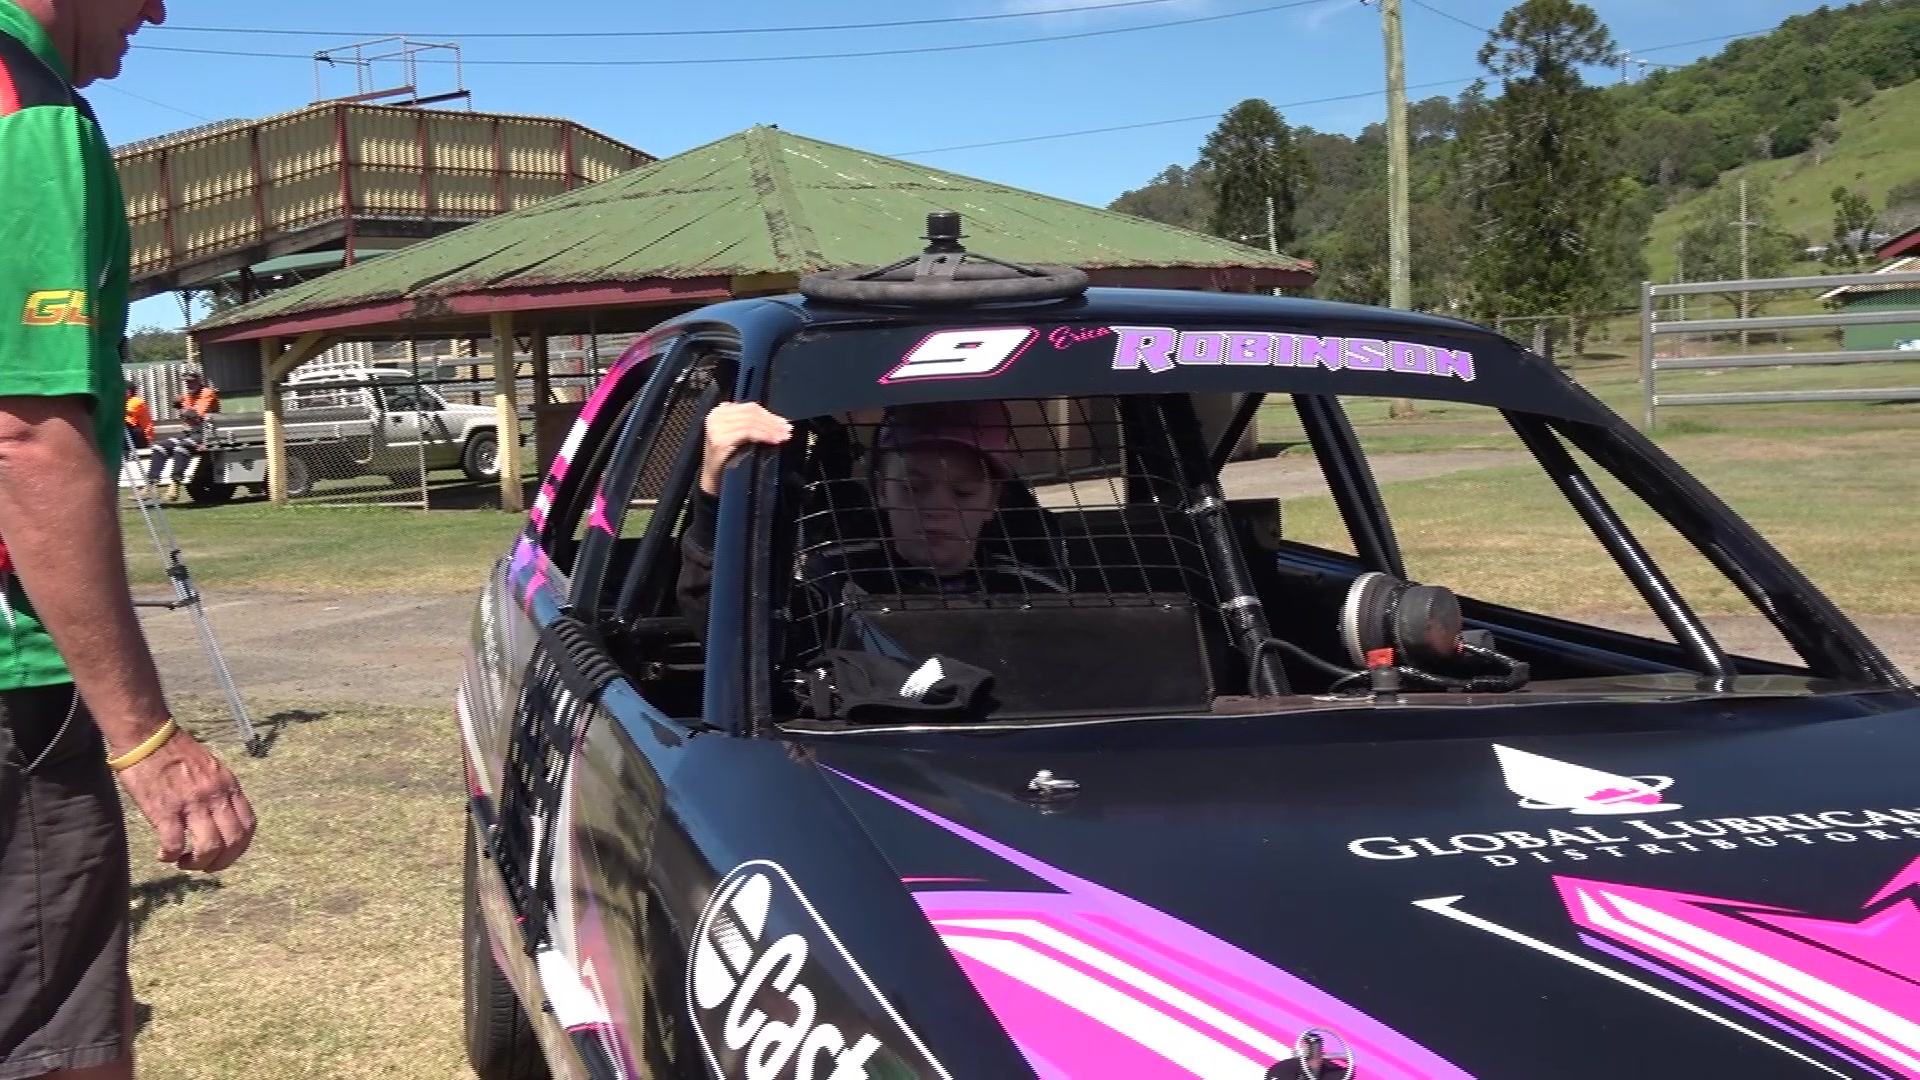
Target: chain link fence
point(398, 425)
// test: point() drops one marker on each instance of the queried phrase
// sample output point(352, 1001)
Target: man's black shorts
point(64, 995)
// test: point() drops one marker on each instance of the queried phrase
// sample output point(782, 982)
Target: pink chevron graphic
point(1092, 983)
point(1087, 991)
point(597, 518)
point(1854, 983)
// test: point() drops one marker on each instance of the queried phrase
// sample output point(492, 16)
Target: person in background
point(81, 705)
point(194, 407)
point(139, 429)
point(139, 420)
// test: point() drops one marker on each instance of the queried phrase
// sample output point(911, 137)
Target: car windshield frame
point(842, 365)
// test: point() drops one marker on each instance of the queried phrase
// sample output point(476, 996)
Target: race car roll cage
point(748, 566)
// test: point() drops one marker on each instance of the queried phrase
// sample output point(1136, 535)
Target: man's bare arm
point(60, 521)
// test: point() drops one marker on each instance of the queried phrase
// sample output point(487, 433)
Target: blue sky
point(898, 105)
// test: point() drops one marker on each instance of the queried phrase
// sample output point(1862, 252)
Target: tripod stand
point(185, 596)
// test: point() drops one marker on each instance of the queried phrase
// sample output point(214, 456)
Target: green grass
point(1840, 508)
point(1875, 151)
point(327, 550)
point(1615, 379)
point(332, 949)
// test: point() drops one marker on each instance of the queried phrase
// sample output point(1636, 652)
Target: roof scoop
point(944, 274)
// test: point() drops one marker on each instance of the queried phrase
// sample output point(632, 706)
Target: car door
point(592, 745)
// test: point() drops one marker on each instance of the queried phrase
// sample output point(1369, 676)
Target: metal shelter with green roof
point(746, 215)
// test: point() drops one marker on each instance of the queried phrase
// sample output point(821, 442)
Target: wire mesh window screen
point(1022, 502)
point(680, 423)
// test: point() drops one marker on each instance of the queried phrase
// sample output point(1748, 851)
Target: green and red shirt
point(64, 255)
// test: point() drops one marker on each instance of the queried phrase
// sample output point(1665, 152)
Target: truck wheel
point(481, 459)
point(500, 1040)
point(209, 494)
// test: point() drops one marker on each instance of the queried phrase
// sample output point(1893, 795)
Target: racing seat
point(1146, 548)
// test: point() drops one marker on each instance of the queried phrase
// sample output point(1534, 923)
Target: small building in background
point(1902, 255)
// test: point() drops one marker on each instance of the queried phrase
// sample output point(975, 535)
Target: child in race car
point(936, 476)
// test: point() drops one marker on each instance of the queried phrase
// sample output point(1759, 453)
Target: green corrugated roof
point(764, 201)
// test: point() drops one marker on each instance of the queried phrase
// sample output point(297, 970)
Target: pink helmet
point(980, 426)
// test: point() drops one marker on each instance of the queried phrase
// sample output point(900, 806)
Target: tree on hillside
point(1711, 240)
point(1543, 169)
point(1250, 158)
point(1852, 225)
point(1352, 258)
point(1903, 206)
point(1176, 197)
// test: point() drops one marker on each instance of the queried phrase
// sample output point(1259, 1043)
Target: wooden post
point(506, 414)
point(542, 375)
point(275, 366)
point(276, 435)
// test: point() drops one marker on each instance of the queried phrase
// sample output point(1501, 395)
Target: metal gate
point(1652, 327)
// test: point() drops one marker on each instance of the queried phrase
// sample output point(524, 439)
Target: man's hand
point(186, 793)
point(731, 426)
point(60, 517)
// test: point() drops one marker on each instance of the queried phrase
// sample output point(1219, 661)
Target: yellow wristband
point(139, 753)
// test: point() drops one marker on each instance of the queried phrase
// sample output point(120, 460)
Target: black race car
point(995, 723)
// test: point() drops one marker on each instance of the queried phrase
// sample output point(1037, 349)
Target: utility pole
point(1273, 229)
point(1399, 283)
point(1399, 273)
point(1746, 224)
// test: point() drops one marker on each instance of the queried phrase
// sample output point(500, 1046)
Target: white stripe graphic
point(1443, 905)
point(1184, 1046)
point(572, 1005)
point(1827, 1006)
point(1132, 976)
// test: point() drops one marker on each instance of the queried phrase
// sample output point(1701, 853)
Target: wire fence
point(400, 424)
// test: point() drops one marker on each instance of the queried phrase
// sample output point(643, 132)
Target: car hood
point(1731, 903)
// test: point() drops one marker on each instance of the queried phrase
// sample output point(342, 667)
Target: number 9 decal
point(963, 354)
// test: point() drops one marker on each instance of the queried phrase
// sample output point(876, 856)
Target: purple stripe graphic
point(1703, 990)
point(1228, 979)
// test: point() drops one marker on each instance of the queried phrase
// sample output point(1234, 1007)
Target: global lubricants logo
point(1543, 783)
point(775, 996)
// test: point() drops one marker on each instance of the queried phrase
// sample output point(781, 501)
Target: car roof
point(816, 372)
point(1124, 304)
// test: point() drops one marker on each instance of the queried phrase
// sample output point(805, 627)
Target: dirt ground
point(406, 650)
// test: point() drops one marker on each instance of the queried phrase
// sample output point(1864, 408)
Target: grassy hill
point(1878, 147)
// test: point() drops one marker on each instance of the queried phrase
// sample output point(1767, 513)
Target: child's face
point(937, 499)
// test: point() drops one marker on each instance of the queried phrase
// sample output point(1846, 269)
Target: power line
point(1675, 45)
point(916, 51)
point(157, 104)
point(718, 32)
point(1283, 107)
point(1450, 15)
point(1705, 40)
point(1176, 120)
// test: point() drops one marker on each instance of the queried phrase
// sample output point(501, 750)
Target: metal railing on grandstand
point(1652, 328)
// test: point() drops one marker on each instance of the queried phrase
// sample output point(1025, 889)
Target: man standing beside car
point(80, 699)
